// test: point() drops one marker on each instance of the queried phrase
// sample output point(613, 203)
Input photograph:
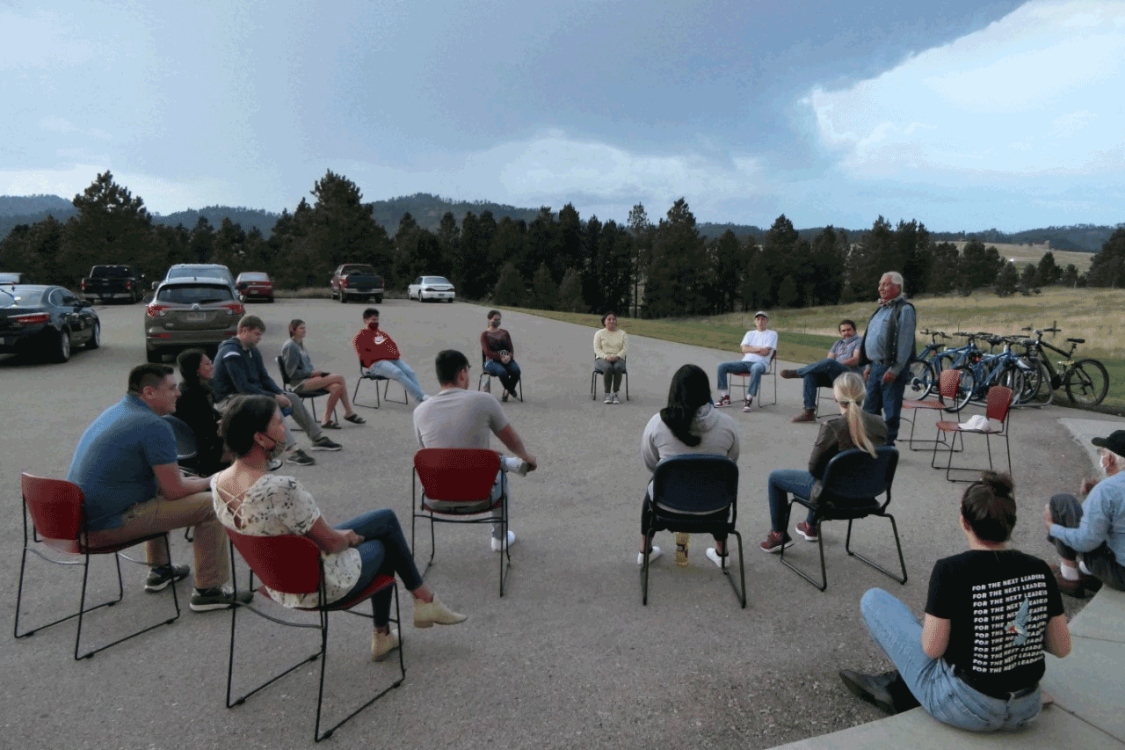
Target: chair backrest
point(695, 483)
point(854, 476)
point(288, 563)
point(998, 403)
point(284, 374)
point(55, 506)
point(186, 446)
point(948, 382)
point(453, 474)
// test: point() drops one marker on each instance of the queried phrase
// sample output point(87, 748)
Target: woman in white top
point(688, 424)
point(610, 345)
point(251, 501)
point(303, 378)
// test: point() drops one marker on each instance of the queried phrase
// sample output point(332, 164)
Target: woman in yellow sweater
point(609, 356)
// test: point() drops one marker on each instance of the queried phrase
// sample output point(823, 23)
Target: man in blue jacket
point(888, 346)
point(239, 369)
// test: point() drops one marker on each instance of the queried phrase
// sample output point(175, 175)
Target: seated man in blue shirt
point(842, 357)
point(1090, 536)
point(125, 464)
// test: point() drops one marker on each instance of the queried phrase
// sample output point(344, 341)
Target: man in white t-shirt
point(757, 348)
point(459, 418)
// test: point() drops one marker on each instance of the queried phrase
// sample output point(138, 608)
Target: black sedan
point(46, 320)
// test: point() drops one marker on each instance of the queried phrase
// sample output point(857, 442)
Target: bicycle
point(985, 370)
point(923, 374)
point(1086, 381)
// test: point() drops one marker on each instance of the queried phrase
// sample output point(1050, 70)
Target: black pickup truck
point(113, 282)
point(358, 281)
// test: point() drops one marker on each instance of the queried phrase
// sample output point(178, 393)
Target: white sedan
point(431, 287)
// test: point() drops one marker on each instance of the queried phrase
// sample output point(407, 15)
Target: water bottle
point(682, 542)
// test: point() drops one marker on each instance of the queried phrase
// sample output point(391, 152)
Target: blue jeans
point(886, 398)
point(742, 367)
point(782, 482)
point(384, 551)
point(509, 374)
point(396, 369)
point(817, 375)
point(945, 696)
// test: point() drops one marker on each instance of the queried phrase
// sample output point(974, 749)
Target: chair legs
point(505, 555)
point(378, 401)
point(949, 469)
point(485, 374)
point(82, 608)
point(823, 583)
point(739, 588)
point(594, 384)
point(322, 654)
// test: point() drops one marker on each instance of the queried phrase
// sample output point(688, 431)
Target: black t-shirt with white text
point(998, 605)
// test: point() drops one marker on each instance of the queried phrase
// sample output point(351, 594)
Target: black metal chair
point(187, 456)
point(54, 517)
point(312, 396)
point(292, 564)
point(686, 487)
point(486, 374)
point(364, 375)
point(743, 381)
point(594, 380)
point(851, 486)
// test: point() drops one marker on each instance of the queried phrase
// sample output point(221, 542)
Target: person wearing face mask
point(499, 355)
point(378, 354)
point(196, 409)
point(1090, 536)
point(250, 501)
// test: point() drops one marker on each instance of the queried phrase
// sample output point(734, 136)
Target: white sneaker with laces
point(498, 546)
point(616, 400)
point(652, 556)
point(609, 398)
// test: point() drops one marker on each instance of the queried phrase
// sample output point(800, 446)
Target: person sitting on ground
point(126, 466)
point(854, 428)
point(250, 501)
point(499, 355)
point(304, 379)
point(688, 424)
point(196, 409)
point(842, 357)
point(1090, 536)
point(239, 369)
point(459, 418)
point(610, 347)
point(758, 346)
point(379, 356)
point(976, 659)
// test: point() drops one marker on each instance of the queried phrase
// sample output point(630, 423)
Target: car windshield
point(436, 280)
point(357, 269)
point(187, 272)
point(194, 294)
point(255, 277)
point(15, 296)
point(7, 299)
point(113, 272)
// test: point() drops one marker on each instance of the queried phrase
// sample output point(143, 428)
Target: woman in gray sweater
point(303, 378)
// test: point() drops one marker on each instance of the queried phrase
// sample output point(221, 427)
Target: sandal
point(330, 425)
point(355, 419)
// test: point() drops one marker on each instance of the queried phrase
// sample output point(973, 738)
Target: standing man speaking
point(888, 347)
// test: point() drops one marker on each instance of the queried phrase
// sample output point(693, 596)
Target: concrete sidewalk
point(1087, 685)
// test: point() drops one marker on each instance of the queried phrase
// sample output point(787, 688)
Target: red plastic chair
point(999, 408)
point(948, 383)
point(461, 479)
point(743, 381)
point(291, 564)
point(54, 516)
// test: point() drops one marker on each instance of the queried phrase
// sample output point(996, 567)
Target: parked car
point(11, 277)
point(49, 320)
point(113, 282)
point(254, 285)
point(431, 287)
point(187, 312)
point(201, 271)
point(357, 281)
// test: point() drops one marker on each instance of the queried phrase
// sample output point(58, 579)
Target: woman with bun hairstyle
point(854, 428)
point(976, 659)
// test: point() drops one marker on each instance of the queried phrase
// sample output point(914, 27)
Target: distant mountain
point(17, 205)
point(428, 209)
point(247, 218)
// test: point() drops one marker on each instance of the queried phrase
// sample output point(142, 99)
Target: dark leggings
point(611, 373)
point(384, 552)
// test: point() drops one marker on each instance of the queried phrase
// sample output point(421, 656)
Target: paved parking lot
point(568, 658)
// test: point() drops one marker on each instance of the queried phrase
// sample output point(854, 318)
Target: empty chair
point(998, 407)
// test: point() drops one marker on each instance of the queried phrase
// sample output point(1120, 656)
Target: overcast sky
point(962, 114)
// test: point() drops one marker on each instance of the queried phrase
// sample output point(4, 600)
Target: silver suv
point(199, 271)
point(197, 311)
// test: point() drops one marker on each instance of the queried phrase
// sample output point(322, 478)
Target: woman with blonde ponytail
point(854, 428)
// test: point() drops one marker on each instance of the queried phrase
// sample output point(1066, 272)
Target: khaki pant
point(212, 556)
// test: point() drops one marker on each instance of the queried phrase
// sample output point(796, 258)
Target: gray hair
point(895, 277)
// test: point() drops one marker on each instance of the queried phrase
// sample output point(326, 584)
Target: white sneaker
point(616, 400)
point(652, 556)
point(609, 398)
point(498, 546)
point(714, 556)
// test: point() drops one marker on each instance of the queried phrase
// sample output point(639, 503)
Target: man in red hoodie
point(379, 355)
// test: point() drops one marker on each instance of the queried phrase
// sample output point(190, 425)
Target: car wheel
point(343, 298)
point(62, 347)
point(378, 299)
point(154, 355)
point(270, 300)
point(95, 336)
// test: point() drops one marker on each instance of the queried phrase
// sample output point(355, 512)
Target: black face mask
point(494, 323)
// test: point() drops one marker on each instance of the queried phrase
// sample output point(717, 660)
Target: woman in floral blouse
point(251, 501)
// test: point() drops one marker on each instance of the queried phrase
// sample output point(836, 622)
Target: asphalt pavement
point(569, 658)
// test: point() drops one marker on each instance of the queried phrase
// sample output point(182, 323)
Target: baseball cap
point(1115, 442)
point(763, 314)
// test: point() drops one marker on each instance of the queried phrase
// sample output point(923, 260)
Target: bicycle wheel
point(1012, 377)
point(1087, 382)
point(965, 388)
point(922, 380)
